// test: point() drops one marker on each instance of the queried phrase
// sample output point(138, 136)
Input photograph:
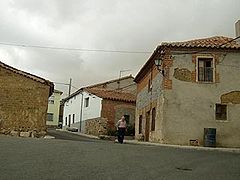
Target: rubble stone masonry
point(23, 103)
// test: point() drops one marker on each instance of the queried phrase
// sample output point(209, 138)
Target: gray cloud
point(107, 24)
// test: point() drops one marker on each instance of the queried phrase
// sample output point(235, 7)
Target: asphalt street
point(70, 136)
point(28, 158)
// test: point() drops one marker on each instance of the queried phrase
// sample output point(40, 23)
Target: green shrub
point(130, 130)
point(111, 132)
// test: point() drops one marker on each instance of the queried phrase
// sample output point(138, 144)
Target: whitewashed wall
point(73, 106)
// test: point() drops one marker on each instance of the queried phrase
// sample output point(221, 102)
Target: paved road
point(69, 136)
point(26, 158)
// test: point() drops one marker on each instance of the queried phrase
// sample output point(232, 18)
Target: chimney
point(237, 29)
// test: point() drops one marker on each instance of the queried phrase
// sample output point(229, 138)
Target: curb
point(199, 148)
point(232, 150)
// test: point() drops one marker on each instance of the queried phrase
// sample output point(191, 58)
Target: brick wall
point(23, 103)
point(113, 110)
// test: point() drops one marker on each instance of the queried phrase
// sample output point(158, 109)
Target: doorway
point(147, 126)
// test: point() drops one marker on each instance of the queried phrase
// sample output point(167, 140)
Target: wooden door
point(147, 126)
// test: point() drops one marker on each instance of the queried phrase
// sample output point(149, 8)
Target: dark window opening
point(87, 102)
point(221, 112)
point(50, 116)
point(205, 69)
point(153, 119)
point(149, 85)
point(73, 119)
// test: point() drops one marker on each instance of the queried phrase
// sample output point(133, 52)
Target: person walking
point(121, 127)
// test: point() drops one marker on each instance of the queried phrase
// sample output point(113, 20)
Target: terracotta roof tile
point(98, 85)
point(112, 94)
point(110, 81)
point(211, 42)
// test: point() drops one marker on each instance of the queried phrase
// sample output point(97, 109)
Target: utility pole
point(69, 87)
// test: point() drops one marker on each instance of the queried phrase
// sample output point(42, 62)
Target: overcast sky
point(128, 25)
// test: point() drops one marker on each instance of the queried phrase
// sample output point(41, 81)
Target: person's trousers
point(121, 133)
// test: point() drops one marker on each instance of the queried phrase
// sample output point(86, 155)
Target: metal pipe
point(81, 112)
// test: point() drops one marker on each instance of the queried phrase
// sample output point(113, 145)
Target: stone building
point(24, 101)
point(196, 86)
point(99, 106)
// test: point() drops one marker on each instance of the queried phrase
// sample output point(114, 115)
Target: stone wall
point(23, 103)
point(146, 101)
point(96, 126)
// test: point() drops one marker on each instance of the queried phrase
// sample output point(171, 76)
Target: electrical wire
point(75, 49)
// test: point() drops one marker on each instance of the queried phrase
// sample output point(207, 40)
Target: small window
point(50, 101)
point(221, 112)
point(87, 102)
point(65, 121)
point(73, 119)
point(153, 119)
point(140, 125)
point(149, 85)
point(205, 69)
point(50, 116)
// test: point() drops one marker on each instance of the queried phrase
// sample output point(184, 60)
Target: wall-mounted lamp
point(158, 63)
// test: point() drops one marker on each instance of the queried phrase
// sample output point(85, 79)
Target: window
point(153, 119)
point(50, 101)
point(149, 85)
point(65, 121)
point(87, 102)
point(140, 125)
point(73, 119)
point(205, 69)
point(221, 112)
point(50, 116)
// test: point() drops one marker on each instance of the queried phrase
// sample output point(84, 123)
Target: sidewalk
point(220, 149)
point(233, 150)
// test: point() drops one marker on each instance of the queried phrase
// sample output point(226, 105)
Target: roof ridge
point(29, 75)
point(26, 74)
point(110, 81)
point(197, 39)
point(112, 94)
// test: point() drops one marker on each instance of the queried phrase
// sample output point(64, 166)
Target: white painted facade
point(53, 109)
point(77, 109)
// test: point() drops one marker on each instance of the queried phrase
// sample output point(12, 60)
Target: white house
point(53, 108)
point(98, 106)
point(79, 108)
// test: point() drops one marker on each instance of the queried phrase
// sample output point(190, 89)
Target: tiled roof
point(110, 81)
point(28, 75)
point(215, 42)
point(211, 42)
point(98, 85)
point(57, 91)
point(112, 94)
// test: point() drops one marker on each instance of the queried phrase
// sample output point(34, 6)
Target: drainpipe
point(81, 112)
